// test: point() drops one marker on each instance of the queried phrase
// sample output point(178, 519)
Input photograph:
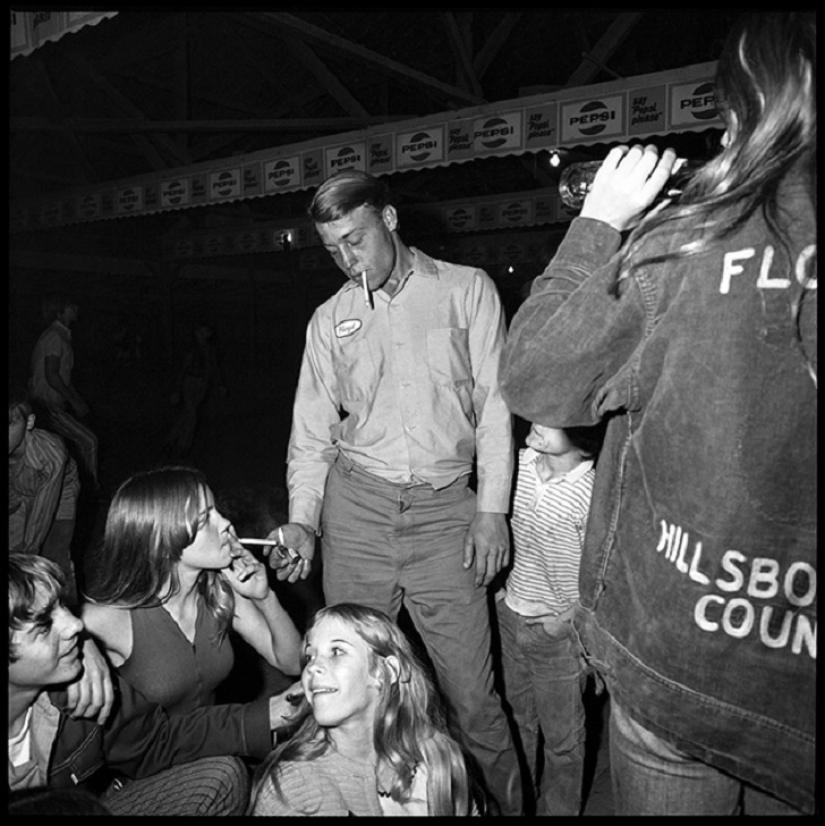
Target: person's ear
point(390, 217)
point(30, 421)
point(393, 668)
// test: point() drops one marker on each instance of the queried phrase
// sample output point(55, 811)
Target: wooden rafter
point(495, 41)
point(461, 50)
point(307, 31)
point(127, 106)
point(595, 59)
point(348, 102)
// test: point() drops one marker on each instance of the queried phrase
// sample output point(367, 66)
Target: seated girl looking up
point(374, 741)
point(168, 583)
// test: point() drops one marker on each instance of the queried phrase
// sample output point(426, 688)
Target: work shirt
point(417, 380)
point(548, 522)
point(55, 340)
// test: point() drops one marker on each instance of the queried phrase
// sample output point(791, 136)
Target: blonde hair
point(410, 727)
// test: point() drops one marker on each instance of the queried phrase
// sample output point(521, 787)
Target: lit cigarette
point(367, 296)
point(292, 553)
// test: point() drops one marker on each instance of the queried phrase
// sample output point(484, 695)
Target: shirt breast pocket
point(448, 356)
point(355, 369)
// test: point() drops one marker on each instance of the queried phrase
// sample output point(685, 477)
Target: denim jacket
point(140, 739)
point(698, 579)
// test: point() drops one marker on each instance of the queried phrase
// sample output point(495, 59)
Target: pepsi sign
point(281, 174)
point(497, 132)
point(418, 147)
point(461, 218)
point(130, 200)
point(174, 193)
point(693, 103)
point(350, 156)
point(225, 184)
point(595, 119)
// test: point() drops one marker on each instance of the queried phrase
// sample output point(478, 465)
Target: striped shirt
point(548, 524)
point(43, 487)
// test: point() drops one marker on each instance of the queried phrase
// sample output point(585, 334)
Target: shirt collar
point(531, 457)
point(63, 327)
point(419, 263)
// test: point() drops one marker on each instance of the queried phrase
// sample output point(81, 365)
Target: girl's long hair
point(410, 727)
point(153, 516)
point(766, 94)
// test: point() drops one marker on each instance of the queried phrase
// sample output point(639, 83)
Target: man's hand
point(91, 694)
point(297, 537)
point(488, 540)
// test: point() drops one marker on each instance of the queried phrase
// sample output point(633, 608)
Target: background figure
point(184, 765)
point(169, 581)
point(543, 670)
point(374, 741)
point(43, 490)
point(409, 350)
point(697, 342)
point(51, 384)
point(199, 371)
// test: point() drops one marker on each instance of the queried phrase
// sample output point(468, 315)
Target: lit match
point(367, 296)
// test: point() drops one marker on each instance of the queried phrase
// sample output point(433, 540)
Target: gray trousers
point(385, 544)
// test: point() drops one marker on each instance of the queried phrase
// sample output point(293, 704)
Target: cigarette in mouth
point(367, 296)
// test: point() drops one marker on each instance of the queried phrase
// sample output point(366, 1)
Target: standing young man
point(51, 382)
point(408, 349)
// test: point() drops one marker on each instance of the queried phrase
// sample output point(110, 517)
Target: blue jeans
point(384, 543)
point(544, 682)
point(650, 777)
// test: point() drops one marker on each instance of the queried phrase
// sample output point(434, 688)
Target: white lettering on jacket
point(732, 265)
point(743, 586)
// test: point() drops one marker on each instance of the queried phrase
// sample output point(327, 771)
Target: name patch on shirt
point(348, 327)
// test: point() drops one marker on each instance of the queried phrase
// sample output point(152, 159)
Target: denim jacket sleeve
point(574, 334)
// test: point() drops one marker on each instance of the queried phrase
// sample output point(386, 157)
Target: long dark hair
point(766, 95)
point(153, 516)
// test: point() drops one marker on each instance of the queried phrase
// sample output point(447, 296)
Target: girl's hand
point(626, 185)
point(246, 575)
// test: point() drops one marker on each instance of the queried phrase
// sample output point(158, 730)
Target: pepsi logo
point(494, 133)
point(224, 183)
point(280, 173)
point(593, 117)
point(175, 192)
point(701, 102)
point(420, 146)
point(345, 157)
point(459, 218)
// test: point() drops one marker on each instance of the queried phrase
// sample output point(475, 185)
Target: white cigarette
point(292, 554)
point(367, 296)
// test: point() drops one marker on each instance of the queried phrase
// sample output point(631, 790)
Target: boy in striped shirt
point(544, 678)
